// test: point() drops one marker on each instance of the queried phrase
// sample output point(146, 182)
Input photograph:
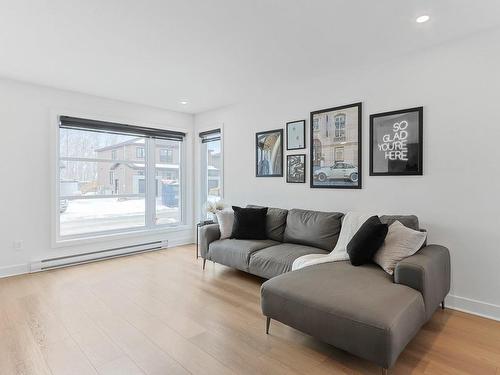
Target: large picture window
point(113, 178)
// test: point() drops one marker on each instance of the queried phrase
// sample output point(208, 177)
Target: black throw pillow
point(367, 240)
point(249, 223)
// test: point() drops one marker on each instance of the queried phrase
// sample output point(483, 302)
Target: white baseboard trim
point(472, 306)
point(20, 269)
point(13, 270)
point(181, 242)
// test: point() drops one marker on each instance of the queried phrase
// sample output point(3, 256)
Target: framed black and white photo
point(269, 153)
point(396, 147)
point(336, 147)
point(296, 168)
point(296, 135)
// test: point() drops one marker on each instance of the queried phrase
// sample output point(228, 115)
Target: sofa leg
point(268, 323)
point(204, 262)
point(385, 371)
point(442, 305)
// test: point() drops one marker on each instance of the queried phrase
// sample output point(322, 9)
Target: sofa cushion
point(313, 228)
point(410, 221)
point(236, 253)
point(276, 222)
point(357, 309)
point(275, 260)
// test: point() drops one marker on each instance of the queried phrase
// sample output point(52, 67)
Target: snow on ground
point(103, 214)
point(109, 207)
point(101, 208)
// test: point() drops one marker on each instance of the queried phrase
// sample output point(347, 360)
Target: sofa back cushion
point(313, 228)
point(409, 221)
point(275, 223)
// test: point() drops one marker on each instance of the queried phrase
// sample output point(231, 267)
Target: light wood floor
point(159, 313)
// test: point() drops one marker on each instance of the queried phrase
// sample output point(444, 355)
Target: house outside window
point(113, 154)
point(166, 155)
point(139, 152)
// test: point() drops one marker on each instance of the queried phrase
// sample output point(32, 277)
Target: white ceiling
point(214, 52)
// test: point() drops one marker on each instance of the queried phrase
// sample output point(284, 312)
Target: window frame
point(201, 161)
point(61, 241)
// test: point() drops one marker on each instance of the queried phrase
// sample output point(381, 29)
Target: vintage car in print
point(339, 170)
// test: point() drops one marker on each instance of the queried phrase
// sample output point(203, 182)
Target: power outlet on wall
point(18, 244)
point(164, 244)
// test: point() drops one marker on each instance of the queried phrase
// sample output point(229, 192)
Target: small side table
point(198, 226)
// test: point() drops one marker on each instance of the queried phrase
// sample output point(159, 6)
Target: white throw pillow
point(225, 219)
point(351, 223)
point(400, 243)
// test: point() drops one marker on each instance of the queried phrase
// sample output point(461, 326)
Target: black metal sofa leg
point(268, 323)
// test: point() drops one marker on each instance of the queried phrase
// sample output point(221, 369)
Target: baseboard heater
point(94, 256)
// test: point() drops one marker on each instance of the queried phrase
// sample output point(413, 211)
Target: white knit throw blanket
point(350, 224)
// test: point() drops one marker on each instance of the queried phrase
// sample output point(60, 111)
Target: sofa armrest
point(208, 234)
point(427, 271)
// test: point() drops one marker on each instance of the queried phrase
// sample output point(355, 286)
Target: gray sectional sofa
point(362, 310)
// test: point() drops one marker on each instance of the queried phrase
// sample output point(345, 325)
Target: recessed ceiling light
point(183, 102)
point(423, 19)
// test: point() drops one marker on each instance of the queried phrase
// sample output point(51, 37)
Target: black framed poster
point(396, 147)
point(269, 153)
point(296, 135)
point(296, 169)
point(336, 147)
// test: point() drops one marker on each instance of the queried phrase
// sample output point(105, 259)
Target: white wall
point(27, 123)
point(457, 198)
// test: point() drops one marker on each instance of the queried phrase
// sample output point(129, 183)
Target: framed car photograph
point(336, 147)
point(296, 135)
point(269, 153)
point(396, 143)
point(296, 169)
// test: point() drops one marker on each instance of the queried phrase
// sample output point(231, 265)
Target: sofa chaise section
point(357, 309)
point(362, 310)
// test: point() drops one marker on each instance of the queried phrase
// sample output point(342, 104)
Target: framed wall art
point(296, 169)
point(336, 147)
point(296, 135)
point(269, 153)
point(396, 143)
